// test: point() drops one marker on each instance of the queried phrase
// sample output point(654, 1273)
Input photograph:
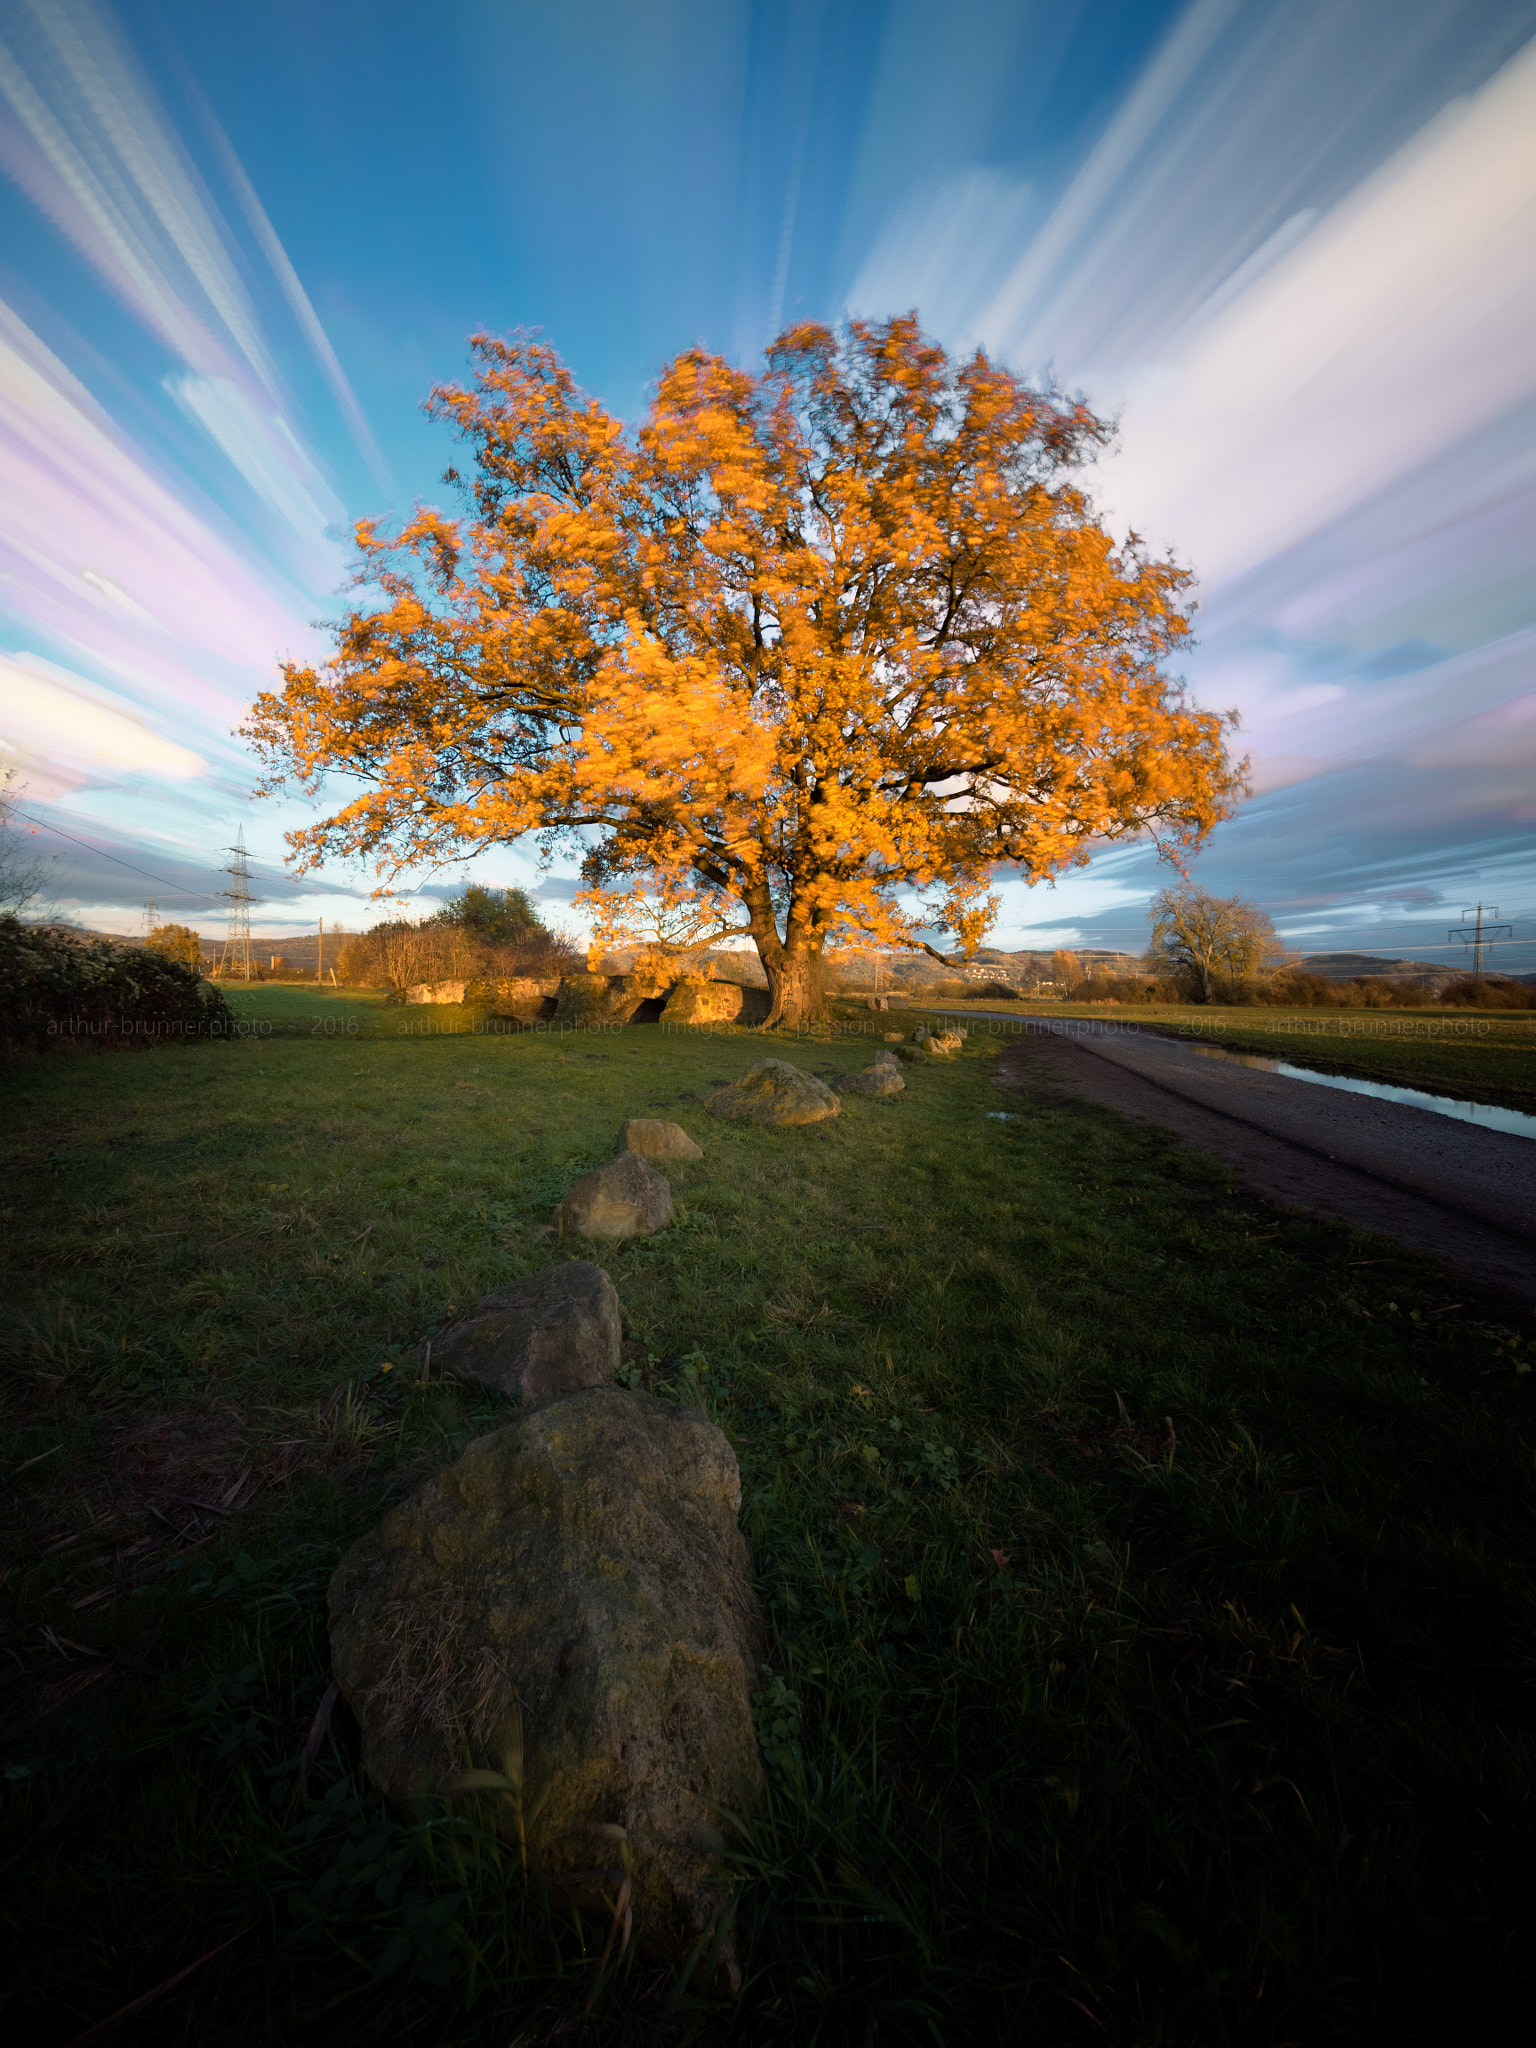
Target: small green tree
point(503, 916)
point(1204, 939)
point(176, 942)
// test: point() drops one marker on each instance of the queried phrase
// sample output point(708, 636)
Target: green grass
point(297, 1004)
point(1473, 1055)
point(1149, 1571)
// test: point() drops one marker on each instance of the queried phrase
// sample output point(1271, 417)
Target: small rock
point(774, 1092)
point(893, 1037)
point(551, 1334)
point(944, 1044)
point(625, 1198)
point(572, 1599)
point(921, 1035)
point(653, 1138)
point(876, 1080)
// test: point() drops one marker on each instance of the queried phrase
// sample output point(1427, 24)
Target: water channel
point(1487, 1115)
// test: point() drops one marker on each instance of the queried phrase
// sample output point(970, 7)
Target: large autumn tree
point(809, 655)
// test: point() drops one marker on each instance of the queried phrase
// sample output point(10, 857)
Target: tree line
point(1224, 949)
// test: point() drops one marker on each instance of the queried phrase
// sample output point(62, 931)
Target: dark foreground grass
point(1149, 1571)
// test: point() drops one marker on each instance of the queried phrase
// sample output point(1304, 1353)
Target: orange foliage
point(809, 638)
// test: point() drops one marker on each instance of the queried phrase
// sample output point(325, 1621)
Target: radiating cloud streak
point(294, 292)
point(280, 475)
point(66, 716)
point(88, 140)
point(97, 155)
point(1401, 323)
point(1024, 313)
point(1302, 261)
point(109, 570)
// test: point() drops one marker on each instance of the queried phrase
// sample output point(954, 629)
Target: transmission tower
point(1477, 930)
point(236, 957)
point(151, 916)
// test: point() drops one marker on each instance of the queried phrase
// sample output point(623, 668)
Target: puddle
point(1487, 1115)
point(1002, 1116)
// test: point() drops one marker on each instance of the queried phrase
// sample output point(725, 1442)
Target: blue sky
point(1289, 242)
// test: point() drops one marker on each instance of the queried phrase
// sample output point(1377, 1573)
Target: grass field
point(1150, 1572)
point(1475, 1055)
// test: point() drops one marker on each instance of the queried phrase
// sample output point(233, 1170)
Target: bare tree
point(23, 872)
point(1206, 939)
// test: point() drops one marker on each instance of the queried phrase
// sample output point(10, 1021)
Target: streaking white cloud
point(1402, 322)
point(66, 718)
point(1024, 309)
point(297, 297)
point(105, 165)
point(114, 592)
point(267, 456)
point(947, 249)
point(89, 141)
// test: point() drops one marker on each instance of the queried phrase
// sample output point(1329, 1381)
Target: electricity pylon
point(151, 916)
point(1482, 932)
point(236, 957)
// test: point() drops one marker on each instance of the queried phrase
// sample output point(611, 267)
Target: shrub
point(59, 990)
point(399, 954)
point(1127, 988)
point(1491, 995)
point(176, 942)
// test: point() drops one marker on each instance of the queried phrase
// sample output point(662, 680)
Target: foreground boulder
point(774, 1092)
point(551, 1334)
point(572, 1604)
point(653, 1138)
point(943, 1045)
point(625, 1198)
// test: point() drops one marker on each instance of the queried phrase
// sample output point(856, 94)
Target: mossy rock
point(570, 1608)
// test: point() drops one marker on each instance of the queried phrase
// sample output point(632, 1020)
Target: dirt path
point(1464, 1195)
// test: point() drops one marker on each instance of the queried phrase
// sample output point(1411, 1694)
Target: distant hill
point(1354, 966)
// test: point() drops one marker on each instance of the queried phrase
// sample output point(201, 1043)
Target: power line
point(201, 895)
point(198, 895)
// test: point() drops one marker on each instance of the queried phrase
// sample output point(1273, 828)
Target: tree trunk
point(796, 989)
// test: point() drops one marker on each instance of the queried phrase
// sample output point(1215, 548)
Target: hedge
point(57, 990)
